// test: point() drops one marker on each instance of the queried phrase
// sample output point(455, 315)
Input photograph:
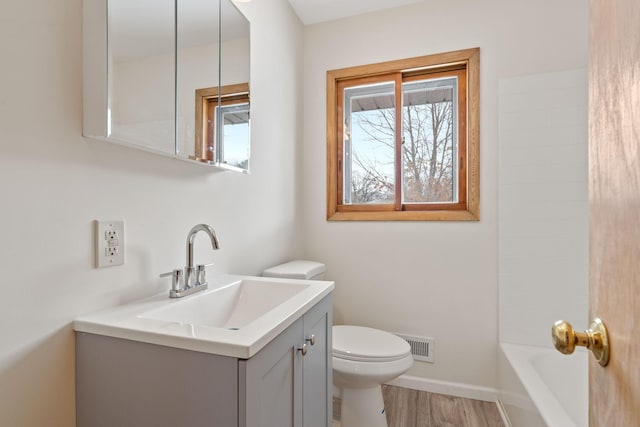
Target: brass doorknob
point(596, 339)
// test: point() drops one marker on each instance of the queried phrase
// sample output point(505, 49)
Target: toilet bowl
point(363, 358)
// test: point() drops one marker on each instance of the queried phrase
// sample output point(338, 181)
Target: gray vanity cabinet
point(134, 384)
point(280, 386)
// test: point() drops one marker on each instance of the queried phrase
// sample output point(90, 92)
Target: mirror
point(147, 64)
point(140, 65)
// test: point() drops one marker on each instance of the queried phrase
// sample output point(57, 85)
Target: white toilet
point(363, 358)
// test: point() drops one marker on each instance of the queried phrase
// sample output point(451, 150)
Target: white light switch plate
point(108, 243)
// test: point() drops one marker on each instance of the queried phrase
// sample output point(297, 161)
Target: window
point(222, 125)
point(403, 139)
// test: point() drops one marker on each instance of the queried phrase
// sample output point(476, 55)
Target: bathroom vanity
point(146, 364)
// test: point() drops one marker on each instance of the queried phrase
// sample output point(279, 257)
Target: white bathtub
point(539, 387)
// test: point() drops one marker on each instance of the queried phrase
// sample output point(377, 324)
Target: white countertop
point(129, 322)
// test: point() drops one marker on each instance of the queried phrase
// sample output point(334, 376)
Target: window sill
point(440, 215)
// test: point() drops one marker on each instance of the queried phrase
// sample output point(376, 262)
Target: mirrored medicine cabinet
point(170, 77)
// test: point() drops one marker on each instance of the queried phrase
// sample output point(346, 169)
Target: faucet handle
point(201, 273)
point(177, 279)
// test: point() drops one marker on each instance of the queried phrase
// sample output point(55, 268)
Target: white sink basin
point(230, 307)
point(236, 317)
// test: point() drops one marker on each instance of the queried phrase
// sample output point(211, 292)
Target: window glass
point(369, 144)
point(429, 141)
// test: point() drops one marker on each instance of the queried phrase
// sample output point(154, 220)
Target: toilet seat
point(362, 344)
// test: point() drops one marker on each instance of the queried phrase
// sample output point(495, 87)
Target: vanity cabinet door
point(271, 383)
point(280, 386)
point(317, 387)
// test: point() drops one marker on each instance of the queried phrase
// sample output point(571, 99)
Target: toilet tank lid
point(298, 269)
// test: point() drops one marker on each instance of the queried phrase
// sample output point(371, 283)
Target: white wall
point(543, 256)
point(54, 182)
point(427, 278)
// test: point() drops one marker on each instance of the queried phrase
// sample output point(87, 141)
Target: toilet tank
point(298, 269)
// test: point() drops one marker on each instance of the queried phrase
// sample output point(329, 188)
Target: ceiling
point(314, 11)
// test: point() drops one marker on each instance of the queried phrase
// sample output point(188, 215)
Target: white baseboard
point(503, 414)
point(468, 391)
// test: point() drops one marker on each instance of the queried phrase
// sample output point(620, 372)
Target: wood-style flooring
point(412, 408)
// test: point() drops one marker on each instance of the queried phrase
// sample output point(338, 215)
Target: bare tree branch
point(427, 153)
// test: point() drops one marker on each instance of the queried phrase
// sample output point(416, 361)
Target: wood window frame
point(467, 207)
point(207, 99)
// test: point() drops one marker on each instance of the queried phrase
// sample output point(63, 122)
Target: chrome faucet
point(192, 279)
point(190, 276)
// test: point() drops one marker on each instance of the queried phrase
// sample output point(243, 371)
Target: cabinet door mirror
point(146, 63)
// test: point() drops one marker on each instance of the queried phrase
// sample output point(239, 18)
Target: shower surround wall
point(543, 212)
point(543, 245)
